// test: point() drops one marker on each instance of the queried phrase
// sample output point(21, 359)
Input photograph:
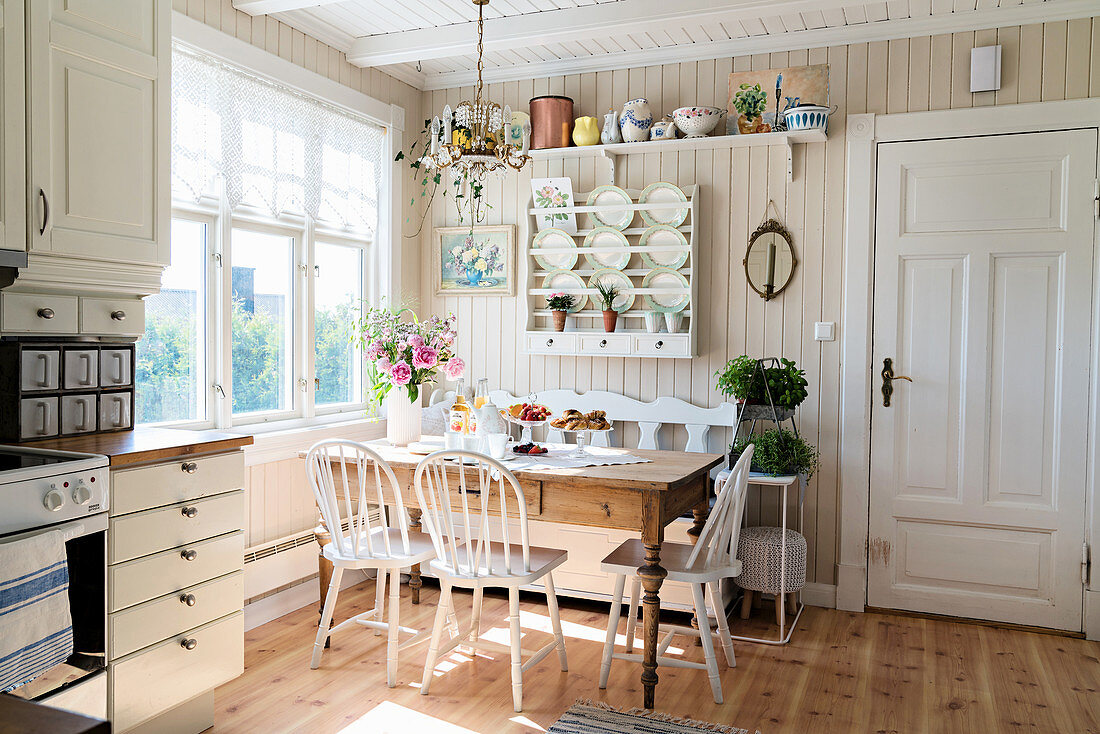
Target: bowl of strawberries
point(527, 415)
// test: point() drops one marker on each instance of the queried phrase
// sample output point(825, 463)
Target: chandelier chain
point(480, 50)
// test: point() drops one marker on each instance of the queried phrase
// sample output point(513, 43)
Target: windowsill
point(281, 440)
point(302, 425)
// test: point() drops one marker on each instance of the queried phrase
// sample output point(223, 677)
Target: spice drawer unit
point(133, 490)
point(132, 582)
point(172, 614)
point(142, 533)
point(155, 679)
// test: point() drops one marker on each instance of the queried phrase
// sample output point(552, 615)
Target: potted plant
point(778, 452)
point(560, 304)
point(750, 103)
point(608, 293)
point(740, 379)
point(786, 384)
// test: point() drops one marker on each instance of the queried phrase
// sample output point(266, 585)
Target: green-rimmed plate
point(667, 302)
point(661, 193)
point(556, 239)
point(661, 236)
point(611, 276)
point(606, 237)
point(607, 196)
point(560, 280)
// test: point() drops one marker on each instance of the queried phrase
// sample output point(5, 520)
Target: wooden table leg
point(414, 573)
point(324, 565)
point(652, 575)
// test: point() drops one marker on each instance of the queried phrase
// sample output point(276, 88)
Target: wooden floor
point(842, 672)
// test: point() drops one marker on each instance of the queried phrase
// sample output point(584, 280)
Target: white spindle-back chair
point(703, 566)
point(465, 498)
point(352, 484)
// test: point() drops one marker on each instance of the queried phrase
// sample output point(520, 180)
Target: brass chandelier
point(476, 139)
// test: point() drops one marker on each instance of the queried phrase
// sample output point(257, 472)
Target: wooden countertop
point(146, 444)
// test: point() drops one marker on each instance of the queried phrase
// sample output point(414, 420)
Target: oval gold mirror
point(770, 260)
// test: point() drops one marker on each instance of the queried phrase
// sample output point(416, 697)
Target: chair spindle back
point(723, 527)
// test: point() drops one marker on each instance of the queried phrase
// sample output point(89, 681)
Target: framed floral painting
point(477, 262)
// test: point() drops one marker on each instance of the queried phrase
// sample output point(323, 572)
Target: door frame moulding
point(863, 134)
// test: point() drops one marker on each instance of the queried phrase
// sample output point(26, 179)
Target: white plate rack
point(584, 334)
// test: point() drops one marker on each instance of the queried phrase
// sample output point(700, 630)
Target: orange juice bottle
point(460, 415)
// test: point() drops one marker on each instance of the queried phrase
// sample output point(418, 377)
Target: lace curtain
point(272, 147)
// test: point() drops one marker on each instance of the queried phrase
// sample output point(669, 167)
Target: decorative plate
point(611, 276)
point(660, 193)
point(557, 239)
point(521, 122)
point(559, 280)
point(663, 235)
point(606, 237)
point(609, 195)
point(667, 302)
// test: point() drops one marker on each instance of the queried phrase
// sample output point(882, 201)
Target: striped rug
point(596, 717)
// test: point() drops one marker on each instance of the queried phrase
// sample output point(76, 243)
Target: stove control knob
point(81, 494)
point(53, 500)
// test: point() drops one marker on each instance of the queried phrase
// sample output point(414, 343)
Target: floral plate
point(606, 237)
point(664, 235)
point(660, 193)
point(562, 279)
point(667, 302)
point(611, 195)
point(611, 276)
point(557, 239)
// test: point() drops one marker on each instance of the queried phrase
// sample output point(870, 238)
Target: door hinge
point(1085, 560)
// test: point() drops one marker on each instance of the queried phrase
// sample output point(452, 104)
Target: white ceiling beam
point(266, 7)
point(564, 25)
point(976, 20)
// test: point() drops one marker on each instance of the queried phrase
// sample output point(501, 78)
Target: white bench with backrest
point(656, 424)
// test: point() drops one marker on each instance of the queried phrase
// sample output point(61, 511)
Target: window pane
point(261, 321)
point(338, 292)
point(170, 356)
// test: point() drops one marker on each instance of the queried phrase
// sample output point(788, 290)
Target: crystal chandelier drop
point(476, 139)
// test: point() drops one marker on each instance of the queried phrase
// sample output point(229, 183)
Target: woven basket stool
point(760, 550)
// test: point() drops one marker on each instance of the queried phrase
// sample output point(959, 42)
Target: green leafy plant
point(561, 301)
point(751, 101)
point(787, 384)
point(779, 452)
point(740, 379)
point(608, 293)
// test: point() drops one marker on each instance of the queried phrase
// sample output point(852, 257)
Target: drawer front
point(142, 533)
point(78, 414)
point(166, 484)
point(173, 614)
point(167, 572)
point(112, 316)
point(81, 369)
point(157, 678)
point(39, 369)
point(115, 368)
point(115, 411)
point(663, 345)
point(29, 313)
point(596, 344)
point(37, 417)
point(551, 343)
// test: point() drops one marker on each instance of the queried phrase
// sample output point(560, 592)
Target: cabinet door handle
point(44, 409)
point(118, 315)
point(190, 512)
point(45, 212)
point(188, 599)
point(189, 643)
point(45, 313)
point(189, 467)
point(44, 362)
point(83, 424)
point(87, 360)
point(189, 555)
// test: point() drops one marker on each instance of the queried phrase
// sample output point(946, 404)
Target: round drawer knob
point(549, 342)
point(189, 467)
point(660, 344)
point(189, 643)
point(603, 343)
point(118, 315)
point(188, 599)
point(189, 555)
point(190, 512)
point(46, 313)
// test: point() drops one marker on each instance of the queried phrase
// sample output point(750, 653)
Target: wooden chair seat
point(543, 561)
point(630, 556)
point(420, 549)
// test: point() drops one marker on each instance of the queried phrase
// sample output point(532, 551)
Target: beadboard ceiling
point(431, 43)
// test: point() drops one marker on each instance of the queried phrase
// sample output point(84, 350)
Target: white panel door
point(98, 96)
point(13, 114)
point(983, 296)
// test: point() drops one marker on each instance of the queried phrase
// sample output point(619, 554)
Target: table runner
point(559, 458)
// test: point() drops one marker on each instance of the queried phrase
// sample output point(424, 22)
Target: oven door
point(80, 683)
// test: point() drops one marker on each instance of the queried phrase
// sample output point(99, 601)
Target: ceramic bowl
point(696, 122)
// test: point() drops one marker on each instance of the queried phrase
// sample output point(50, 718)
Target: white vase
point(636, 120)
point(402, 418)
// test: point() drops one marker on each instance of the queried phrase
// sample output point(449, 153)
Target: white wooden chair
point(704, 565)
point(468, 556)
point(366, 543)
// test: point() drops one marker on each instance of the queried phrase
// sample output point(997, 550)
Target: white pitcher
point(610, 133)
point(636, 120)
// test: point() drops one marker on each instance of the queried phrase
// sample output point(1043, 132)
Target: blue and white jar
point(635, 120)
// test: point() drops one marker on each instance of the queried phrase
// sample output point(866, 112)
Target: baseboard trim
point(851, 587)
point(304, 594)
point(819, 595)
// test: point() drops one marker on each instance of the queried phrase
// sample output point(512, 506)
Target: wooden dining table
point(643, 497)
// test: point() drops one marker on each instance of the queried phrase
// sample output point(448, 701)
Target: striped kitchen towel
point(36, 629)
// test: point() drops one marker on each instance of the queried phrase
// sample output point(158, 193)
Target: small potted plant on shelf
point(778, 452)
point(560, 304)
point(608, 294)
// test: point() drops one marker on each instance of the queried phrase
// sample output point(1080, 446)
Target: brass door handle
point(888, 378)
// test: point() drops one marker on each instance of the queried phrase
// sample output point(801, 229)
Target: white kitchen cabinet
point(98, 114)
point(13, 162)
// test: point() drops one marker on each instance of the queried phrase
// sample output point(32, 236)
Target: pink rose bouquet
point(405, 352)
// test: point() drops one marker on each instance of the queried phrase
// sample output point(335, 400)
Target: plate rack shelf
point(584, 334)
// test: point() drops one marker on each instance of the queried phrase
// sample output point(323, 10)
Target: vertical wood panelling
point(1051, 61)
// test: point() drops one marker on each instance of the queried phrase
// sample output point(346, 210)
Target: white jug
point(636, 120)
point(610, 133)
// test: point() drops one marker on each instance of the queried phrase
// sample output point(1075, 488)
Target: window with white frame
point(276, 205)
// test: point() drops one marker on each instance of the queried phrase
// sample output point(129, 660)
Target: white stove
point(40, 487)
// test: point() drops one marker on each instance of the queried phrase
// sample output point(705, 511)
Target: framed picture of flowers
point(475, 262)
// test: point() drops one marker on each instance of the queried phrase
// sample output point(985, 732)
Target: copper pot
point(551, 121)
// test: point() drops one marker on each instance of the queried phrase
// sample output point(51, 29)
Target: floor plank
point(842, 672)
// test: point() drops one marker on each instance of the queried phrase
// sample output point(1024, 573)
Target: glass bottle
point(459, 419)
point(481, 393)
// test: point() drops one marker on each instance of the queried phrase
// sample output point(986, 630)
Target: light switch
point(825, 331)
point(985, 69)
